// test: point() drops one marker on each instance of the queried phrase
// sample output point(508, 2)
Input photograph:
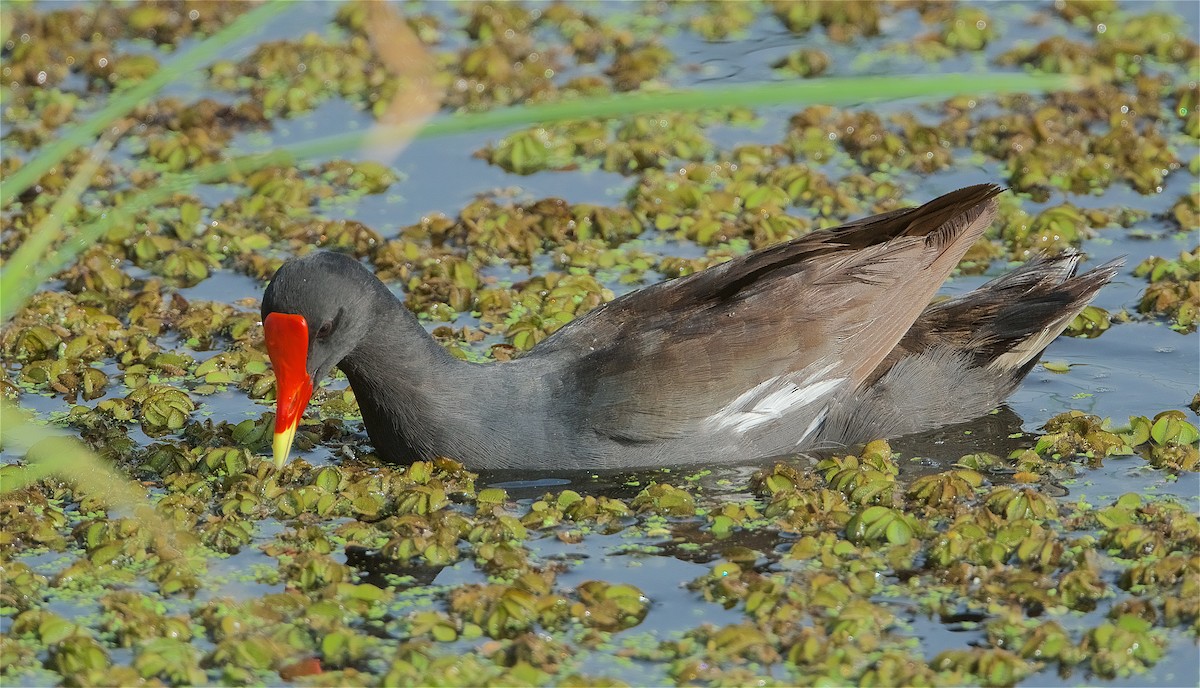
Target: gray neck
point(419, 402)
point(398, 373)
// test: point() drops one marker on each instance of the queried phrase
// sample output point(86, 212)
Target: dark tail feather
point(1022, 329)
point(1005, 324)
point(964, 356)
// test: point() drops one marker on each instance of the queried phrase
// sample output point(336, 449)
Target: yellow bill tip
point(282, 447)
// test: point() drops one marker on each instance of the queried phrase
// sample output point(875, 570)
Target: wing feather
point(660, 362)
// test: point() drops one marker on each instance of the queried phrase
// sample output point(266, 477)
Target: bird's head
point(315, 312)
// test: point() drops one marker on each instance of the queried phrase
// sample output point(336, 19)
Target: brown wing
point(656, 363)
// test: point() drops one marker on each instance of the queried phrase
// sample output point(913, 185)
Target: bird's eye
point(324, 330)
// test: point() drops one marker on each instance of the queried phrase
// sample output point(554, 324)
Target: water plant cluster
point(827, 571)
point(340, 570)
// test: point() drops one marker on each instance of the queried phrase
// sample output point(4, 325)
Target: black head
point(316, 311)
point(336, 296)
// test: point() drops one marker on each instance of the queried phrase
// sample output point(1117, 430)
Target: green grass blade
point(21, 280)
point(17, 279)
point(49, 453)
point(124, 101)
point(825, 91)
point(28, 276)
point(831, 91)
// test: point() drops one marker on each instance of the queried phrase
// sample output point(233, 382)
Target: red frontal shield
point(286, 335)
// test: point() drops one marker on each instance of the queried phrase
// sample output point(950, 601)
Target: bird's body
point(823, 341)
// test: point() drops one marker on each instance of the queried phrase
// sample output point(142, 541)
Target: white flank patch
point(816, 423)
point(773, 399)
point(1020, 354)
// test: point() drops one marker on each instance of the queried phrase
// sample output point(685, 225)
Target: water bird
point(821, 342)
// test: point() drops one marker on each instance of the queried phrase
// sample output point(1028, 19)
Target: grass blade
point(124, 101)
point(16, 281)
point(51, 453)
point(21, 279)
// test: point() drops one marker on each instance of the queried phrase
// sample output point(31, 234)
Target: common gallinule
point(823, 341)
